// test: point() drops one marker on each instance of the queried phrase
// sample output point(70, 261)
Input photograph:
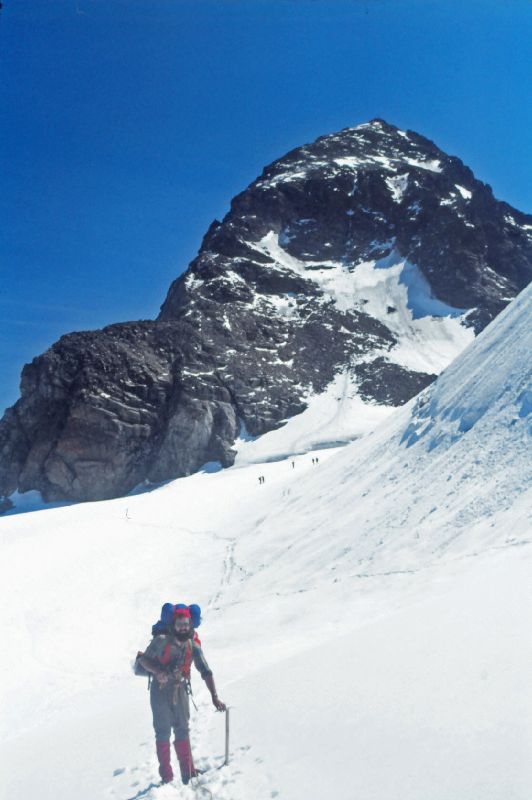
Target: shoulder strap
point(188, 659)
point(164, 656)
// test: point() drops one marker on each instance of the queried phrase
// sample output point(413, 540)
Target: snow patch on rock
point(397, 186)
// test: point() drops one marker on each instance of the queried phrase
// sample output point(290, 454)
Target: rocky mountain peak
point(375, 143)
point(368, 258)
point(357, 195)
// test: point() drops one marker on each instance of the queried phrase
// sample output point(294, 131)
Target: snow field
point(331, 419)
point(392, 679)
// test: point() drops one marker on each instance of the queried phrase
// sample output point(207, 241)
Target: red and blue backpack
point(162, 626)
point(167, 615)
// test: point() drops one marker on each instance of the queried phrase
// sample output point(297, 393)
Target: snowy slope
point(366, 617)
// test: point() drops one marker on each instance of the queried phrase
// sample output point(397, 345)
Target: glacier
point(366, 617)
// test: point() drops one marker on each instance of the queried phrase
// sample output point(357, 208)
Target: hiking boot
point(165, 767)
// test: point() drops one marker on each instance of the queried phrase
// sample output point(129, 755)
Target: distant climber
point(168, 658)
point(293, 464)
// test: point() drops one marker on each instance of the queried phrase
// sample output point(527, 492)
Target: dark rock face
point(349, 195)
point(389, 384)
point(271, 309)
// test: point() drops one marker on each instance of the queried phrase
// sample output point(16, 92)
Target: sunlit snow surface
point(332, 419)
point(367, 618)
point(430, 334)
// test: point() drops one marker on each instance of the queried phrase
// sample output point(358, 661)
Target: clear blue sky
point(127, 125)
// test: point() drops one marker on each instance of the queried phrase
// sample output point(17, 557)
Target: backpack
point(161, 626)
point(138, 669)
point(167, 613)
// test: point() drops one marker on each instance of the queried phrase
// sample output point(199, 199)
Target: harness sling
point(182, 675)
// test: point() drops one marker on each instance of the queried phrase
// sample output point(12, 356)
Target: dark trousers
point(168, 714)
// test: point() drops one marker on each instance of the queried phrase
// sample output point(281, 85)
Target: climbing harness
point(179, 676)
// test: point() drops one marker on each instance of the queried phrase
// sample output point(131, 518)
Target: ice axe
point(226, 761)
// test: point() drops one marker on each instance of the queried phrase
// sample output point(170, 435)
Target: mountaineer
point(168, 659)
